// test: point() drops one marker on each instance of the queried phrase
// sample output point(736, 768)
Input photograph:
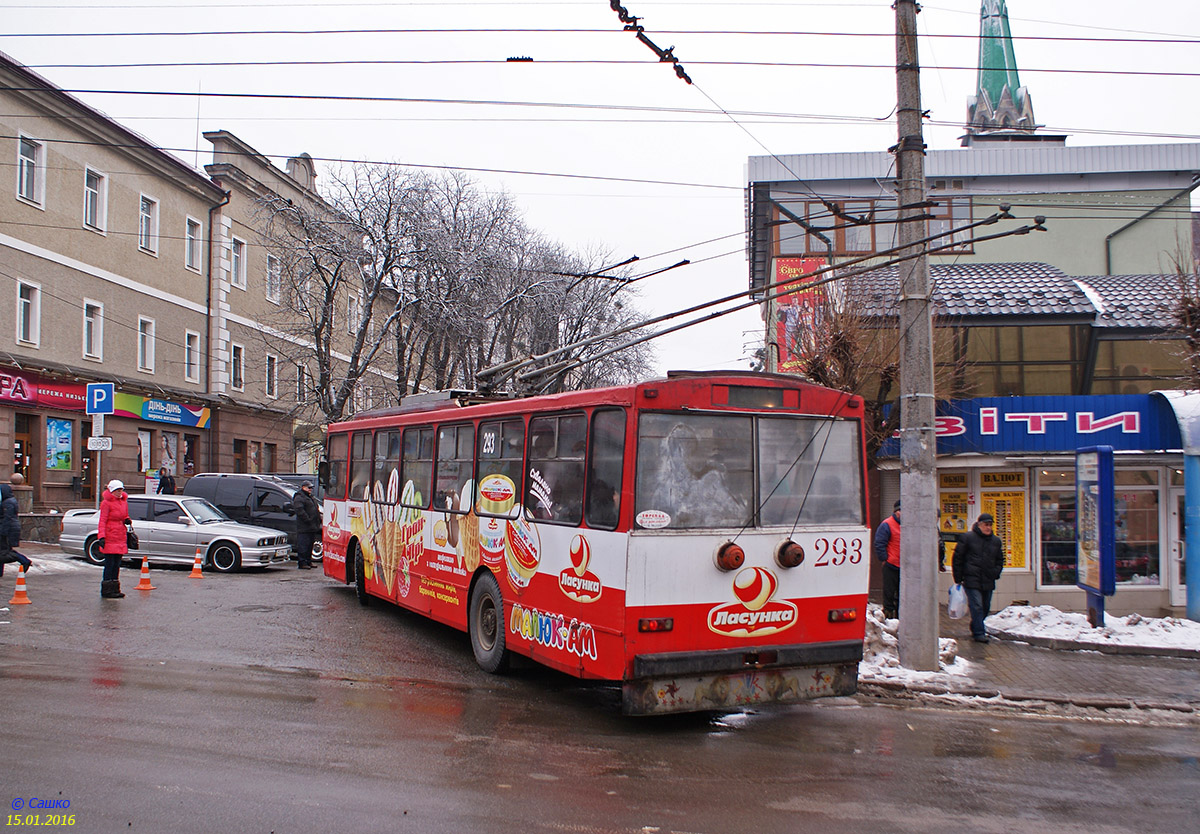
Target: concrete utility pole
point(918, 452)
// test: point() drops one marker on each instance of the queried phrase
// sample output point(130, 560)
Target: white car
point(170, 528)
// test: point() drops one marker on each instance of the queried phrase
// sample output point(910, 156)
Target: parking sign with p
point(100, 398)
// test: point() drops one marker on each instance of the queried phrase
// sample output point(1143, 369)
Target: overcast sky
point(650, 166)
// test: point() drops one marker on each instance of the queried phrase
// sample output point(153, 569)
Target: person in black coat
point(308, 524)
point(977, 563)
point(10, 530)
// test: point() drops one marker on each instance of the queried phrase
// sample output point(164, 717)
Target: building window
point(272, 380)
point(354, 312)
point(31, 164)
point(237, 368)
point(29, 313)
point(93, 330)
point(237, 275)
point(146, 344)
point(239, 456)
point(148, 225)
point(1136, 509)
point(951, 213)
point(303, 384)
point(95, 200)
point(191, 242)
point(274, 279)
point(191, 356)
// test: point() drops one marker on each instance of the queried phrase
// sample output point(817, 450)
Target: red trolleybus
point(701, 538)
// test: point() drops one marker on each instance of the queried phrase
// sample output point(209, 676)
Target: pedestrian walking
point(308, 524)
point(10, 530)
point(113, 537)
point(887, 550)
point(977, 563)
point(166, 483)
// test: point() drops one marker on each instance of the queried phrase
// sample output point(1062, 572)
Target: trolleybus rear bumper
point(689, 681)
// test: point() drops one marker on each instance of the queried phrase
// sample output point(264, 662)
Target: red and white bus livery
point(700, 539)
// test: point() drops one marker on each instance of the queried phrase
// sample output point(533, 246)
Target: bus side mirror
point(323, 474)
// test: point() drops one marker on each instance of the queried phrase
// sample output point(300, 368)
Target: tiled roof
point(980, 291)
point(1142, 301)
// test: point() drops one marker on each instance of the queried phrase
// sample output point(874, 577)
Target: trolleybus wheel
point(486, 625)
point(360, 578)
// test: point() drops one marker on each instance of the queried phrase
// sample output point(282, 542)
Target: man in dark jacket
point(10, 530)
point(308, 524)
point(977, 563)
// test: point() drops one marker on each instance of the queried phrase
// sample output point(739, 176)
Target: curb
point(1105, 648)
point(897, 687)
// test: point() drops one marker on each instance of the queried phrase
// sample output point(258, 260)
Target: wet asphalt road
point(271, 702)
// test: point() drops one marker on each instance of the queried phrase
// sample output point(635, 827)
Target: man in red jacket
point(887, 550)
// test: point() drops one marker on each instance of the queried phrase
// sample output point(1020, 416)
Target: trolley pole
point(918, 452)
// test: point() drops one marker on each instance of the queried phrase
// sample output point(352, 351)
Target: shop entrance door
point(1177, 549)
point(23, 446)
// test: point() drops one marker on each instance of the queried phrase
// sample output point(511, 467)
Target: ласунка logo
point(755, 614)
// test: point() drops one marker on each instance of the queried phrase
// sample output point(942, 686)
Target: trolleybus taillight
point(649, 624)
point(730, 556)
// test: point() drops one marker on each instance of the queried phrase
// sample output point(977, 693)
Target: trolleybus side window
point(554, 488)
point(455, 467)
point(501, 457)
point(360, 465)
point(809, 471)
point(695, 468)
point(606, 463)
point(387, 461)
point(339, 448)
point(418, 467)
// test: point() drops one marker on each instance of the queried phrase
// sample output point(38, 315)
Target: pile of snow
point(1130, 630)
point(881, 654)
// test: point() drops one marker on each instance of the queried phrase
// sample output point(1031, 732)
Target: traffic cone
point(145, 585)
point(19, 595)
point(196, 573)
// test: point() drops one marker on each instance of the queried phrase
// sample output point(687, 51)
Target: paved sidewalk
point(1018, 671)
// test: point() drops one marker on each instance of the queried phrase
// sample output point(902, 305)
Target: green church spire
point(1000, 103)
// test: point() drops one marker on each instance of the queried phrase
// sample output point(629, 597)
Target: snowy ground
point(1129, 630)
point(881, 659)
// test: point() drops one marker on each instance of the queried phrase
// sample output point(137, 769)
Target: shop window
point(255, 463)
point(191, 448)
point(269, 457)
point(239, 456)
point(1057, 535)
point(1137, 536)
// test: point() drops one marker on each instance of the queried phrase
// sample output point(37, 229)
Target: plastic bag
point(957, 608)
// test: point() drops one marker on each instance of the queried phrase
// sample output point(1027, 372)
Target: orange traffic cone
point(19, 595)
point(145, 585)
point(196, 573)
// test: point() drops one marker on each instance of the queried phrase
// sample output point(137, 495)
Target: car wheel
point(360, 578)
point(91, 551)
point(318, 550)
point(486, 625)
point(225, 558)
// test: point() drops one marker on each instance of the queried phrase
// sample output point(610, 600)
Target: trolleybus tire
point(360, 578)
point(486, 625)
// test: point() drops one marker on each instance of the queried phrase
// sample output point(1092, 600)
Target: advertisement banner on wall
point(33, 390)
point(796, 313)
point(58, 444)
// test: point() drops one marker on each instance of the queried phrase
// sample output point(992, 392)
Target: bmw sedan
point(172, 528)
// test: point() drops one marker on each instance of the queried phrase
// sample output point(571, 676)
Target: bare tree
point(407, 282)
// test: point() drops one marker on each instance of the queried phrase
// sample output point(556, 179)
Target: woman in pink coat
point(114, 516)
